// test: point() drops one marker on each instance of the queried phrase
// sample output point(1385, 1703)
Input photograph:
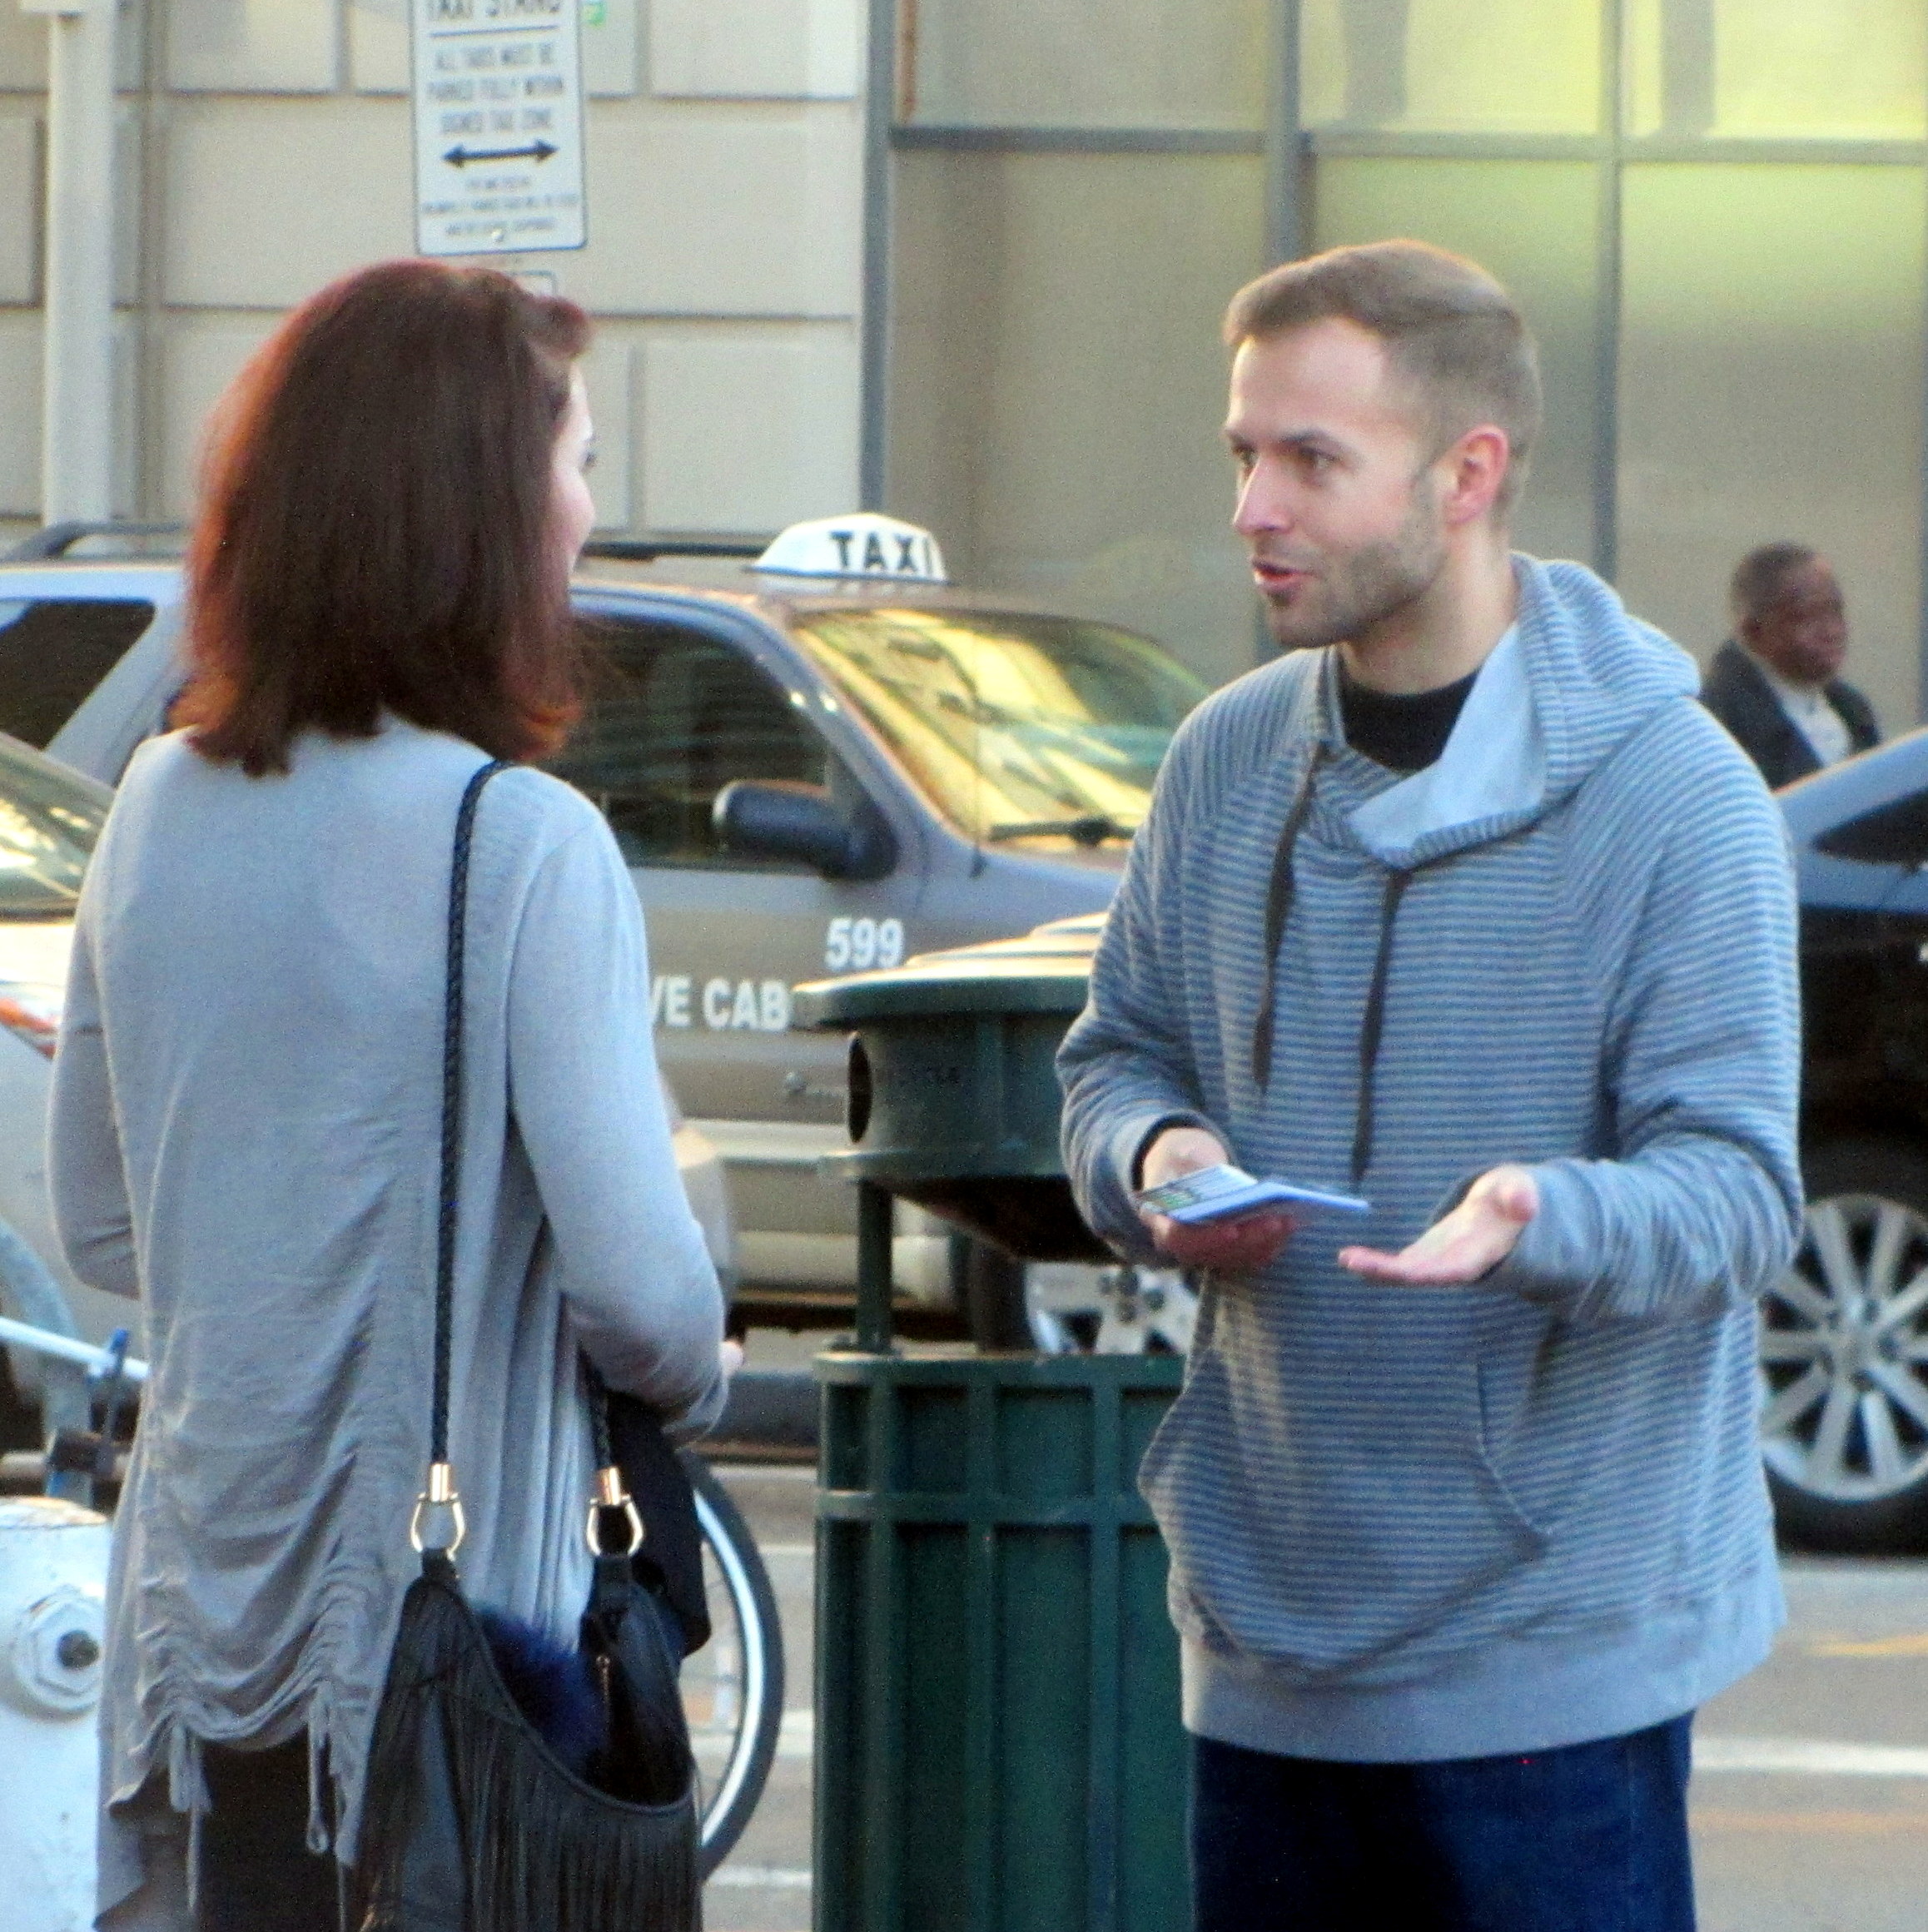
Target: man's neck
point(1807, 687)
point(1445, 633)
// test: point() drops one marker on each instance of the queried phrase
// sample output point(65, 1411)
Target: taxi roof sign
point(863, 544)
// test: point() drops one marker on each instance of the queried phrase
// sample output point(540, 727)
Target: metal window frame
point(1292, 153)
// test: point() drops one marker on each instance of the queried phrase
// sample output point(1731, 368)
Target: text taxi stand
point(998, 1743)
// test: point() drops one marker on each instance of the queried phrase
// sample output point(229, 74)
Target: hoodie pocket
point(1324, 1483)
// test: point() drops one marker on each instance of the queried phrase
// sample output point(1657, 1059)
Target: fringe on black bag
point(492, 1833)
point(472, 1820)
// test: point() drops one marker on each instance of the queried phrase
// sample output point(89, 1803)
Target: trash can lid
point(1045, 970)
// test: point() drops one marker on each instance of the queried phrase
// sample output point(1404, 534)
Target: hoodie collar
point(1466, 784)
point(1569, 680)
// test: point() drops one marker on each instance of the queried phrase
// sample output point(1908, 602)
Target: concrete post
point(77, 385)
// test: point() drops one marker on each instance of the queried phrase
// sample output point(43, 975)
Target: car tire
point(1844, 1355)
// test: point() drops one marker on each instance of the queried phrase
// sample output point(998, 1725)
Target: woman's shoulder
point(399, 789)
point(545, 804)
point(434, 766)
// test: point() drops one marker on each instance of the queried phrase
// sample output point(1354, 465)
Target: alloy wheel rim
point(1074, 1309)
point(1844, 1353)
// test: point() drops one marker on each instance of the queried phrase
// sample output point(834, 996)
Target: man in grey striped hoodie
point(1463, 902)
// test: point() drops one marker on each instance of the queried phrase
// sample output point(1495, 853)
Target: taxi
point(818, 756)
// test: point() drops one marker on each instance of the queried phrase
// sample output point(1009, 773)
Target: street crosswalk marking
point(1913, 1645)
point(771, 1878)
point(1810, 1757)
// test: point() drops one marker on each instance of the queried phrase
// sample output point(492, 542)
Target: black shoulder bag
point(509, 1790)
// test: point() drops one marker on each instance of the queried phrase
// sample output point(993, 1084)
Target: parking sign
point(498, 126)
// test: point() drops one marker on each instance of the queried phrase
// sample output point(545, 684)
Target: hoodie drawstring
point(1373, 1027)
point(1278, 904)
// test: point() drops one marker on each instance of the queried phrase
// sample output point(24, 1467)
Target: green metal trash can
point(997, 1739)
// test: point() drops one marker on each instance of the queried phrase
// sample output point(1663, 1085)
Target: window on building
point(1086, 63)
point(1535, 225)
point(54, 651)
point(1500, 67)
point(1059, 382)
point(1773, 341)
point(674, 716)
point(1766, 69)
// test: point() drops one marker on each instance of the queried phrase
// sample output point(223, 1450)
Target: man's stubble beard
point(1371, 585)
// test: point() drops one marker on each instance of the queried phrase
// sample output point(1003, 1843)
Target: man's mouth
point(1278, 580)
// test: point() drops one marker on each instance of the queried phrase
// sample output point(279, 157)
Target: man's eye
point(588, 459)
point(1243, 460)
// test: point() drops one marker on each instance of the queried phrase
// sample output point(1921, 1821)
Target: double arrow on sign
point(460, 156)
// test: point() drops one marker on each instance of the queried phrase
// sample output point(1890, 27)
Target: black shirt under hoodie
point(1405, 732)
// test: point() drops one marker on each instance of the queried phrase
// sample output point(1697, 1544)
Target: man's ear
point(1475, 470)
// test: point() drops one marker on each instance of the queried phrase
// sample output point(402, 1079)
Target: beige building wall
point(266, 148)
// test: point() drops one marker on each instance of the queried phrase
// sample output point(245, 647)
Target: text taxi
point(818, 760)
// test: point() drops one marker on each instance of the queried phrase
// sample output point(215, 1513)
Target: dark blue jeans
point(1589, 1838)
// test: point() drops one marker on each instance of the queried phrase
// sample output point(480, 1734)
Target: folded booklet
point(1219, 1194)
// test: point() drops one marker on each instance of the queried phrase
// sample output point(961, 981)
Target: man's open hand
point(1477, 1235)
point(1235, 1247)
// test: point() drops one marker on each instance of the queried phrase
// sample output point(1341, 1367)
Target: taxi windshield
point(1015, 726)
point(48, 824)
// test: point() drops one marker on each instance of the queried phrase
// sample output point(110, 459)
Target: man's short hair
point(1451, 331)
point(1760, 577)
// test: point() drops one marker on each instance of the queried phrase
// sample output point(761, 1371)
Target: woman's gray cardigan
point(245, 1134)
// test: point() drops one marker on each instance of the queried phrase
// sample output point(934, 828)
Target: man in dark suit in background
point(1774, 684)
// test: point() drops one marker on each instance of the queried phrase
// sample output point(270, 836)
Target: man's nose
point(1262, 506)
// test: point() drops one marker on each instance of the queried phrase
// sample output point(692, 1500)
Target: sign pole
point(78, 370)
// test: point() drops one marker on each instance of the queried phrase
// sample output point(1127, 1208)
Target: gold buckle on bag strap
point(610, 1494)
point(442, 1497)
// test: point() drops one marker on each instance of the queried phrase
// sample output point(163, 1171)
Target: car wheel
point(1120, 1310)
point(1844, 1355)
point(1070, 1307)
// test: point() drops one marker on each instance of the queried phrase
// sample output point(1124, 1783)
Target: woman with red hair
point(247, 1108)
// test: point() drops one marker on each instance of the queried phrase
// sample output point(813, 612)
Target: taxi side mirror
point(757, 818)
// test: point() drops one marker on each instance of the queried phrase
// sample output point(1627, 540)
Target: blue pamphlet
point(1219, 1194)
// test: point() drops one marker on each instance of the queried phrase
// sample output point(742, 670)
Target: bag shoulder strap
point(442, 1501)
point(441, 1496)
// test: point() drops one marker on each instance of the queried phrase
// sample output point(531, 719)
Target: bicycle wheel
point(732, 1688)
